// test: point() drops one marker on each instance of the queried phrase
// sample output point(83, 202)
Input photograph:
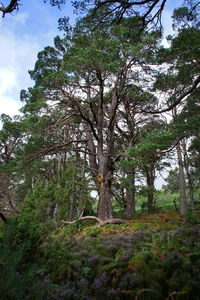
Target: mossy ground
point(153, 256)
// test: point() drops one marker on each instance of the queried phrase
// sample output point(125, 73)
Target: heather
point(151, 257)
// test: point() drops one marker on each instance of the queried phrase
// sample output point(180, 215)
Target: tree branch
point(10, 8)
point(178, 100)
point(56, 147)
point(101, 222)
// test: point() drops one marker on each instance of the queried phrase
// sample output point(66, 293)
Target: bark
point(105, 203)
point(74, 189)
point(130, 193)
point(186, 165)
point(182, 186)
point(51, 211)
point(150, 177)
point(92, 149)
point(105, 149)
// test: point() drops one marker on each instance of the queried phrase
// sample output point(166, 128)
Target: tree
point(11, 136)
point(86, 77)
point(179, 83)
point(129, 136)
point(154, 142)
point(181, 77)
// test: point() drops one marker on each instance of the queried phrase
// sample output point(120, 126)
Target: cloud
point(19, 45)
point(18, 54)
point(23, 34)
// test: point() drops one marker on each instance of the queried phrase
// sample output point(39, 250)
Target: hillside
point(151, 257)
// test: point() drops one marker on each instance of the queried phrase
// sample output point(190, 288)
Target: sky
point(26, 32)
point(22, 35)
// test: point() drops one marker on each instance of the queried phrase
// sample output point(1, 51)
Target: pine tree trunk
point(130, 193)
point(105, 177)
point(105, 200)
point(186, 165)
point(150, 177)
point(182, 186)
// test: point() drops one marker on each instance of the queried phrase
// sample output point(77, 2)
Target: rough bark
point(150, 178)
point(105, 203)
point(186, 165)
point(130, 193)
point(182, 185)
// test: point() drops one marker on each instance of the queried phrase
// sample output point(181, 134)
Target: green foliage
point(192, 218)
point(19, 250)
point(172, 181)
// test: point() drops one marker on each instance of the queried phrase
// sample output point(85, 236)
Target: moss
point(150, 257)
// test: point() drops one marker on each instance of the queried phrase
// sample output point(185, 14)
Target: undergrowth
point(151, 257)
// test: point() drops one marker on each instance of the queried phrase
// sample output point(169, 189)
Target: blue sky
point(26, 32)
point(22, 35)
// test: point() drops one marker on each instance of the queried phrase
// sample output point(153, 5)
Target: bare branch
point(101, 222)
point(10, 7)
point(56, 147)
point(178, 100)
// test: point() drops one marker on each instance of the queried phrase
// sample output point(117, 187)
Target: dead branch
point(99, 221)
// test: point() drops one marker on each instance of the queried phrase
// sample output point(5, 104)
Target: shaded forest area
point(111, 109)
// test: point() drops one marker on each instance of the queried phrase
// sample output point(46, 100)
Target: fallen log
point(99, 221)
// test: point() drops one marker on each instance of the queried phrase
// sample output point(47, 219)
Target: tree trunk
point(150, 177)
point(73, 196)
point(51, 211)
point(186, 165)
point(182, 187)
point(71, 208)
point(130, 193)
point(105, 192)
point(105, 197)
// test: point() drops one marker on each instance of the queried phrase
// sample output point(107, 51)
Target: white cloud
point(9, 106)
point(18, 53)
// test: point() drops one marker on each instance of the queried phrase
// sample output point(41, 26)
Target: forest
point(112, 109)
